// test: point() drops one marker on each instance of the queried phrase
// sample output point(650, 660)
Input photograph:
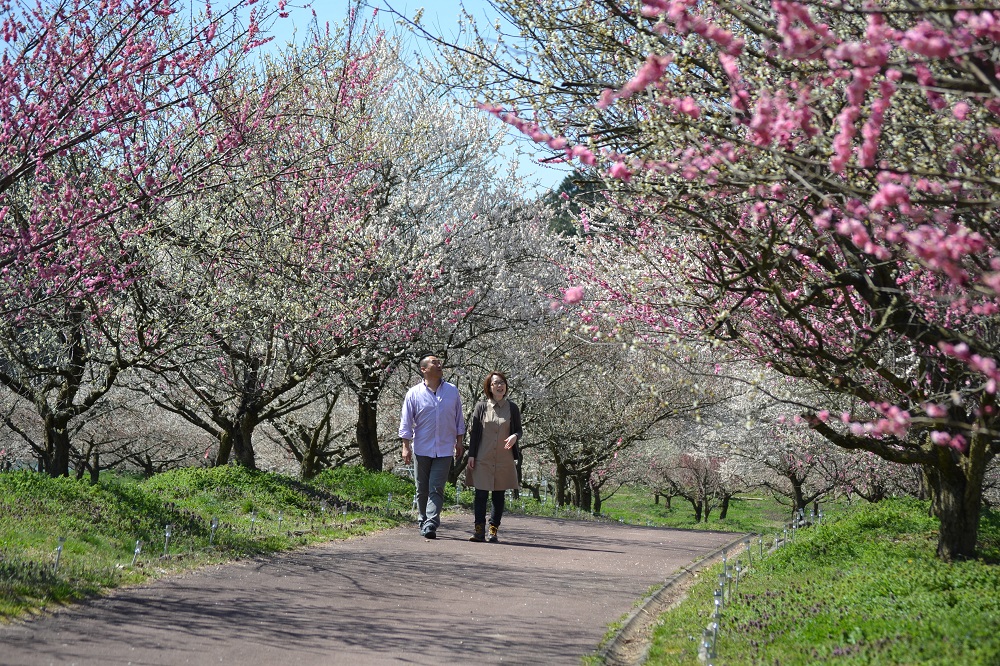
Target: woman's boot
point(493, 534)
point(479, 533)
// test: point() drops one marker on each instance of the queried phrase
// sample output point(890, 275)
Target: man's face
point(430, 367)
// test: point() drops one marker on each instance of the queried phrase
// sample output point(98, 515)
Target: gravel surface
point(545, 595)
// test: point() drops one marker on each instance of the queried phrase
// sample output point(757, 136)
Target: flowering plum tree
point(796, 464)
point(448, 207)
point(589, 406)
point(98, 104)
point(279, 274)
point(874, 479)
point(697, 458)
point(812, 184)
point(314, 435)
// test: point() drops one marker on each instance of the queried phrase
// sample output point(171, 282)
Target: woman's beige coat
point(492, 423)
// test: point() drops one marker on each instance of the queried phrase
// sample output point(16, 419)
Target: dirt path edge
point(630, 644)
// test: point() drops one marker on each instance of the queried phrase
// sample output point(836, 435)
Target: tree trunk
point(955, 501)
point(696, 503)
point(367, 433)
point(225, 449)
point(586, 495)
point(243, 442)
point(798, 495)
point(146, 463)
point(56, 447)
point(308, 466)
point(560, 484)
point(708, 508)
point(922, 493)
point(246, 419)
point(725, 508)
point(597, 501)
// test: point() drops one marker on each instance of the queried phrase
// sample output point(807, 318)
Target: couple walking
point(432, 425)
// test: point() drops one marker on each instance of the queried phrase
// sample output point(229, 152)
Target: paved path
point(545, 595)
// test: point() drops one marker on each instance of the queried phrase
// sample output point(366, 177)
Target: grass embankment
point(257, 513)
point(864, 587)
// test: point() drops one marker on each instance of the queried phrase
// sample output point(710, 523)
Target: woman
point(496, 429)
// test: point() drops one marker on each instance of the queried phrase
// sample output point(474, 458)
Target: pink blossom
point(654, 8)
point(926, 40)
point(801, 36)
point(985, 25)
point(606, 99)
point(690, 107)
point(888, 195)
point(956, 442)
point(584, 154)
point(926, 79)
point(649, 73)
point(842, 142)
point(573, 295)
point(935, 411)
point(959, 351)
point(620, 171)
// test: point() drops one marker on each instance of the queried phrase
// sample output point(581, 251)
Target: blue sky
point(440, 16)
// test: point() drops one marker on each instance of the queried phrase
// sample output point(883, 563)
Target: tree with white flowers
point(438, 188)
point(287, 272)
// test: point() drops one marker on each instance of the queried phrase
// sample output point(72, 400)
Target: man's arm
point(406, 429)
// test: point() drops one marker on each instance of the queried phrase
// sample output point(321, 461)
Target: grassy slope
point(101, 524)
point(863, 588)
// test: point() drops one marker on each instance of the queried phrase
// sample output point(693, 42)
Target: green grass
point(862, 588)
point(257, 513)
point(635, 505)
point(368, 489)
point(760, 515)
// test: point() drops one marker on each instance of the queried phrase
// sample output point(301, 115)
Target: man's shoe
point(492, 538)
point(430, 534)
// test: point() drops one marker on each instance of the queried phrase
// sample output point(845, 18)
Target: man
point(431, 426)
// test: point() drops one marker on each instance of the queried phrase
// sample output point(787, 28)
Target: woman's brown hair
point(489, 378)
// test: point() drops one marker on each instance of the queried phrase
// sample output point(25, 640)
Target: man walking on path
point(431, 424)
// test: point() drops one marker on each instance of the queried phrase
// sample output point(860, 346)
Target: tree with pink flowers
point(811, 185)
point(108, 111)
